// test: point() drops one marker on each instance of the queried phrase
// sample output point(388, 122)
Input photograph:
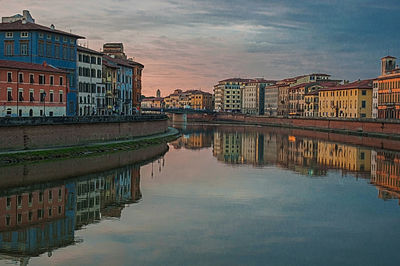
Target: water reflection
point(305, 152)
point(40, 212)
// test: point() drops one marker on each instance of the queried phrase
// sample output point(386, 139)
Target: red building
point(32, 89)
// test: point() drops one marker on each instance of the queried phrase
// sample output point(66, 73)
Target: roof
point(108, 64)
point(389, 76)
point(29, 26)
point(87, 50)
point(235, 80)
point(29, 66)
point(388, 57)
point(359, 84)
point(117, 61)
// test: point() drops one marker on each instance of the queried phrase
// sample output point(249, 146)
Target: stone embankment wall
point(358, 126)
point(31, 174)
point(42, 132)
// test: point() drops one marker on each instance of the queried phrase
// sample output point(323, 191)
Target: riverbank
point(92, 149)
point(359, 127)
point(29, 133)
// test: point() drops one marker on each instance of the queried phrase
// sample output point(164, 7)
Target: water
point(220, 195)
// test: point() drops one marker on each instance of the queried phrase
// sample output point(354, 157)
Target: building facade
point(32, 90)
point(253, 96)
point(91, 91)
point(388, 86)
point(200, 100)
point(25, 41)
point(271, 99)
point(352, 100)
point(228, 95)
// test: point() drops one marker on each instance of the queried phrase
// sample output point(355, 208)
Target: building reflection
point(41, 218)
point(386, 175)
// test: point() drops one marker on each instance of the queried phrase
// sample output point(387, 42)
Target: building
point(152, 102)
point(253, 96)
point(228, 95)
point(28, 89)
point(116, 50)
point(388, 86)
point(91, 90)
point(283, 96)
point(123, 91)
point(271, 99)
point(110, 82)
point(375, 85)
point(297, 103)
point(137, 70)
point(311, 104)
point(200, 100)
point(351, 100)
point(23, 40)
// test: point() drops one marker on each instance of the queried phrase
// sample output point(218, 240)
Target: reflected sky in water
point(222, 196)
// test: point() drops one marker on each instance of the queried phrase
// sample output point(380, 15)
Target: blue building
point(23, 40)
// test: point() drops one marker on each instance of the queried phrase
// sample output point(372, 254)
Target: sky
point(191, 44)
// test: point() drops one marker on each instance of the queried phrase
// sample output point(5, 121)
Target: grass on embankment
point(78, 152)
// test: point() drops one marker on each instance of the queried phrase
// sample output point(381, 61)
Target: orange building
point(389, 89)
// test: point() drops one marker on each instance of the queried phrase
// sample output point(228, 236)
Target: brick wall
point(29, 133)
point(388, 127)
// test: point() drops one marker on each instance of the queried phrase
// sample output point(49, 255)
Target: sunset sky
point(193, 44)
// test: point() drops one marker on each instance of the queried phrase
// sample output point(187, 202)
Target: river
point(218, 195)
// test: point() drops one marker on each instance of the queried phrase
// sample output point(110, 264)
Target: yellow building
point(351, 100)
point(201, 100)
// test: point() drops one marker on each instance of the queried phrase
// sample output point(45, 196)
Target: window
point(31, 78)
point(39, 213)
point(21, 77)
point(9, 77)
point(23, 48)
point(21, 95)
point(30, 198)
point(98, 73)
point(51, 96)
point(9, 95)
point(363, 92)
point(41, 48)
point(40, 196)
point(50, 212)
point(61, 81)
point(48, 36)
point(31, 96)
point(41, 79)
point(9, 48)
point(64, 53)
point(93, 60)
point(8, 206)
point(24, 34)
point(51, 80)
point(30, 216)
point(363, 104)
point(41, 35)
point(9, 35)
point(57, 51)
point(19, 218)
point(50, 195)
point(99, 60)
point(61, 96)
point(42, 96)
point(48, 49)
point(57, 38)
point(19, 200)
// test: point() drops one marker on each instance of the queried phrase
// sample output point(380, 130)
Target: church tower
point(388, 64)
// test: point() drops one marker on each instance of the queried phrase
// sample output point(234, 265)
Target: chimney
point(23, 20)
point(52, 27)
point(44, 64)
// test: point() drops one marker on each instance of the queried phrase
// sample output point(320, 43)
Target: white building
point(271, 100)
point(375, 99)
point(91, 91)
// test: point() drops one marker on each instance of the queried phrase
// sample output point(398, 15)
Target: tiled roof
point(235, 80)
point(28, 26)
point(359, 84)
point(388, 57)
point(29, 66)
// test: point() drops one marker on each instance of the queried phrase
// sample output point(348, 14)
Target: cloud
point(193, 44)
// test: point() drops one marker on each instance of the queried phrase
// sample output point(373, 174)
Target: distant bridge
point(176, 110)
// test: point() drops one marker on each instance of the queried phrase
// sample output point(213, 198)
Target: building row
point(44, 72)
point(190, 99)
point(314, 95)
